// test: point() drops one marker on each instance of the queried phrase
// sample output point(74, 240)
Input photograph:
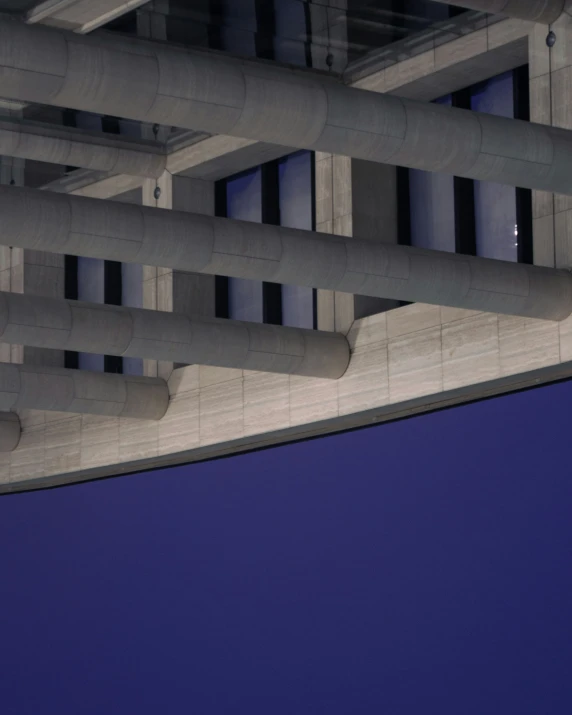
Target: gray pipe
point(75, 225)
point(135, 332)
point(71, 147)
point(10, 431)
point(96, 393)
point(195, 89)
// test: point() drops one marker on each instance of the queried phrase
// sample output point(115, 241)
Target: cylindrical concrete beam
point(543, 11)
point(75, 225)
point(73, 148)
point(10, 431)
point(135, 332)
point(190, 88)
point(83, 392)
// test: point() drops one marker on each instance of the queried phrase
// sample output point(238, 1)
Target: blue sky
point(423, 566)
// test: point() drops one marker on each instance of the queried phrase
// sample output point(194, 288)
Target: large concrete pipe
point(193, 242)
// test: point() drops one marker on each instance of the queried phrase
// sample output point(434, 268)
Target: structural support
point(154, 82)
point(135, 332)
point(94, 393)
point(72, 147)
point(81, 15)
point(10, 431)
point(544, 11)
point(75, 225)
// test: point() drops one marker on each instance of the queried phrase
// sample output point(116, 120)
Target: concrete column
point(551, 103)
point(135, 332)
point(12, 171)
point(10, 431)
point(73, 148)
point(353, 198)
point(544, 11)
point(155, 82)
point(61, 390)
point(168, 289)
point(134, 234)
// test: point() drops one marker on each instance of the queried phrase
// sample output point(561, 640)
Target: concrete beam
point(135, 332)
point(81, 15)
point(543, 11)
point(72, 147)
point(154, 82)
point(61, 390)
point(74, 225)
point(10, 431)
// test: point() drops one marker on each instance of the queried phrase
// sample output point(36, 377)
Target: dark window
point(482, 218)
point(280, 192)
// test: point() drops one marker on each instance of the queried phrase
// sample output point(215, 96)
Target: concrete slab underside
point(404, 362)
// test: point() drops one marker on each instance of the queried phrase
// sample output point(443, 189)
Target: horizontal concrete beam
point(135, 332)
point(60, 223)
point(95, 393)
point(81, 15)
point(543, 11)
point(10, 431)
point(72, 147)
point(155, 82)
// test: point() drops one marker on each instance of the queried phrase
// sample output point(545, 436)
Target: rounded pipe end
point(10, 431)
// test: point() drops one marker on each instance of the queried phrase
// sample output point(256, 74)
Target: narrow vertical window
point(496, 226)
point(296, 211)
point(244, 202)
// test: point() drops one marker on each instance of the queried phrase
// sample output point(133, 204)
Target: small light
point(550, 39)
point(157, 192)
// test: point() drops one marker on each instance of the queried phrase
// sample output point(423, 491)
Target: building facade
point(228, 225)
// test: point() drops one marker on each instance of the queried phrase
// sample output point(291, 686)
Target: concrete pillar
point(550, 71)
point(166, 288)
point(69, 147)
point(61, 390)
point(135, 332)
point(135, 234)
point(10, 431)
point(353, 198)
point(155, 82)
point(544, 11)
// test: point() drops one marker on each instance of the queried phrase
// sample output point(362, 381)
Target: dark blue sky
point(413, 568)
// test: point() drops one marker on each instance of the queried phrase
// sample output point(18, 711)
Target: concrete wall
point(405, 361)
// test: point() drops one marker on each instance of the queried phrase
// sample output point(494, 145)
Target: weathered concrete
point(10, 431)
point(545, 11)
point(82, 392)
point(136, 332)
point(194, 242)
point(81, 15)
point(153, 82)
point(73, 147)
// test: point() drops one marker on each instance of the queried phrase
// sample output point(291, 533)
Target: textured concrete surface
point(544, 11)
point(82, 392)
point(194, 242)
point(10, 431)
point(153, 82)
point(136, 332)
point(412, 359)
point(71, 147)
point(81, 15)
